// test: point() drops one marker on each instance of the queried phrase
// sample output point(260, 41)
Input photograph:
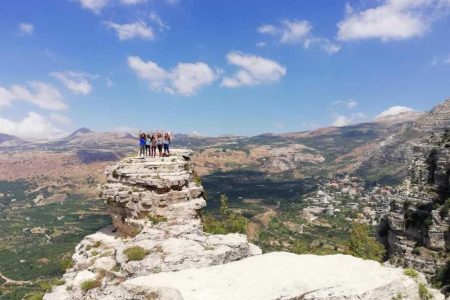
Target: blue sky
point(217, 67)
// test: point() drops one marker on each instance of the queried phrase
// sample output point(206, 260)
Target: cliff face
point(156, 249)
point(390, 159)
point(155, 208)
point(417, 226)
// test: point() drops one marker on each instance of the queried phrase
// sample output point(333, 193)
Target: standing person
point(153, 146)
point(166, 143)
point(142, 145)
point(147, 145)
point(159, 142)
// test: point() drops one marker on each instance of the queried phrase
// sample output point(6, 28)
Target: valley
point(300, 192)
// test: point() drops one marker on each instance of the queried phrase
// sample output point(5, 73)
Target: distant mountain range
point(376, 150)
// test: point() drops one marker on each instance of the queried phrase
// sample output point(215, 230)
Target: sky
point(217, 67)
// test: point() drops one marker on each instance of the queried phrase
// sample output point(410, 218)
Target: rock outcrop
point(389, 160)
point(155, 207)
point(417, 228)
point(156, 249)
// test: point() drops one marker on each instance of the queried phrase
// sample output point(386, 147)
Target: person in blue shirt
point(142, 141)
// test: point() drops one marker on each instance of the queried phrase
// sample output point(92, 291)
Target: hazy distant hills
point(376, 150)
point(288, 155)
point(10, 141)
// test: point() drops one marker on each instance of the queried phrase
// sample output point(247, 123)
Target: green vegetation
point(399, 296)
point(442, 278)
point(424, 293)
point(135, 253)
point(197, 179)
point(227, 222)
point(90, 284)
point(34, 296)
point(66, 262)
point(155, 219)
point(361, 244)
point(410, 272)
point(41, 232)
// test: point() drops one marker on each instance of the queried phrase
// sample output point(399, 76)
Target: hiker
point(166, 144)
point(142, 145)
point(153, 146)
point(159, 142)
point(147, 145)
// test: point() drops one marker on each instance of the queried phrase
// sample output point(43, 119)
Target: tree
point(227, 222)
point(361, 244)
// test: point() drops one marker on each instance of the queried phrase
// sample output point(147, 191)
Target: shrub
point(399, 296)
point(34, 296)
point(89, 284)
point(410, 272)
point(66, 262)
point(155, 219)
point(135, 253)
point(361, 244)
point(57, 281)
point(45, 286)
point(228, 222)
point(197, 179)
point(442, 277)
point(424, 293)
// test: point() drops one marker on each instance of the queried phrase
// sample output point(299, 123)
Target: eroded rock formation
point(156, 249)
point(417, 227)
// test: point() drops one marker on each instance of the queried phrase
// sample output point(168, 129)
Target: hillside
point(388, 160)
point(157, 249)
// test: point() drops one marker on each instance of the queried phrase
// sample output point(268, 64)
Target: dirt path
point(9, 281)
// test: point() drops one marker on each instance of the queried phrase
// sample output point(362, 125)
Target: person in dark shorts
point(147, 145)
point(159, 143)
point(142, 145)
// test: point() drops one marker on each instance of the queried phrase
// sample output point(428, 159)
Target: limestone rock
point(155, 206)
point(281, 275)
point(417, 227)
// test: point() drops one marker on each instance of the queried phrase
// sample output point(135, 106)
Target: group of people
point(148, 142)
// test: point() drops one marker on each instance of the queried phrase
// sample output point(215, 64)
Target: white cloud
point(261, 44)
point(253, 70)
point(298, 32)
point(349, 103)
point(295, 31)
point(267, 29)
point(158, 21)
point(131, 2)
point(185, 79)
point(33, 126)
point(26, 28)
point(109, 82)
point(61, 119)
point(445, 60)
point(76, 82)
point(392, 20)
point(94, 5)
point(129, 31)
point(41, 94)
point(343, 120)
point(395, 110)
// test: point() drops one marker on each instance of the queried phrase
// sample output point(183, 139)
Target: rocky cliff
point(417, 228)
point(156, 249)
point(389, 159)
